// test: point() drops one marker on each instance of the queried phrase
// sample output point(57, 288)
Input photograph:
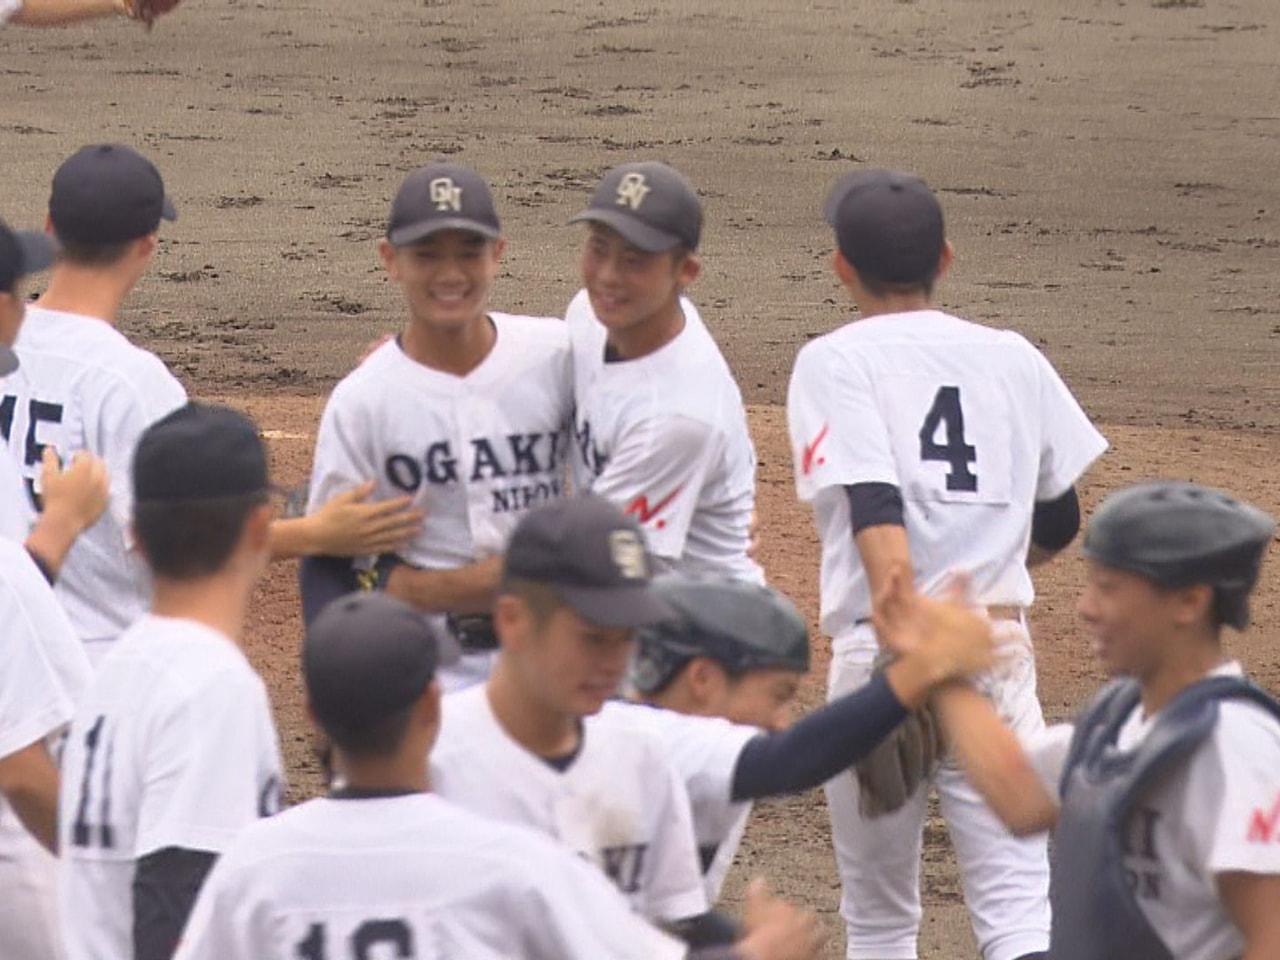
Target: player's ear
point(687, 269)
point(145, 247)
point(509, 619)
point(497, 248)
point(701, 676)
point(844, 270)
point(945, 259)
point(1192, 604)
point(387, 254)
point(257, 528)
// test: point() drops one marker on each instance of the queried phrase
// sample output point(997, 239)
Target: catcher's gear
point(742, 626)
point(890, 774)
point(1179, 534)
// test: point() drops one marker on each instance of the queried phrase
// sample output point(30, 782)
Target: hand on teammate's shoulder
point(77, 493)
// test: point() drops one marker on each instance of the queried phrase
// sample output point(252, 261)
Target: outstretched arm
point(348, 525)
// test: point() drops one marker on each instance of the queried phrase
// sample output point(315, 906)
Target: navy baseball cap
point(368, 656)
point(21, 252)
point(650, 204)
point(443, 196)
point(200, 451)
point(888, 225)
point(107, 193)
point(593, 555)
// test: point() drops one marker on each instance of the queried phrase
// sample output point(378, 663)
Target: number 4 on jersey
point(947, 413)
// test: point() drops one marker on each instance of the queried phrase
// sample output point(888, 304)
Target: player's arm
point(56, 13)
point(29, 784)
point(166, 883)
point(73, 499)
point(348, 525)
point(1054, 524)
point(468, 589)
point(1250, 900)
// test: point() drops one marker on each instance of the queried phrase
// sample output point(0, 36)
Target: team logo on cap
point(446, 195)
point(632, 190)
point(628, 555)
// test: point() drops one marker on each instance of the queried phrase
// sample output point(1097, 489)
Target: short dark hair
point(188, 539)
point(882, 288)
point(542, 598)
point(92, 254)
point(376, 738)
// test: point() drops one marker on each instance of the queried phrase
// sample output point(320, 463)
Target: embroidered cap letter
point(632, 190)
point(627, 551)
point(445, 195)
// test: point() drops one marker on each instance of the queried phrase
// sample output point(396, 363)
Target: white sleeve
point(838, 434)
point(343, 457)
point(1047, 750)
point(1243, 767)
point(656, 474)
point(204, 763)
point(1068, 441)
point(675, 890)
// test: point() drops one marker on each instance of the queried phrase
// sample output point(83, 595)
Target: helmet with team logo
point(1180, 534)
point(742, 626)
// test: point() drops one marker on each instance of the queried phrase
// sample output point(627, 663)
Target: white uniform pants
point(1005, 879)
point(28, 895)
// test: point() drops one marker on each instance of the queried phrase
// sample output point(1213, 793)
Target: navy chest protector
point(1095, 913)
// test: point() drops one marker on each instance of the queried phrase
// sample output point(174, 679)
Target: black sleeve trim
point(165, 886)
point(1055, 523)
point(43, 566)
point(873, 505)
point(820, 745)
point(706, 931)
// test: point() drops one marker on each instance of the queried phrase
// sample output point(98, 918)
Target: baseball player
point(1164, 794)
point(659, 425)
point(466, 412)
point(172, 751)
point(531, 746)
point(384, 864)
point(929, 443)
point(58, 13)
point(82, 386)
point(716, 682)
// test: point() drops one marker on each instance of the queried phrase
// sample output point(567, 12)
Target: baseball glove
point(891, 773)
point(146, 11)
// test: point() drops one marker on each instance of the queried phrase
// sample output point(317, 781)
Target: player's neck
point(1185, 662)
point(543, 732)
point(219, 602)
point(402, 771)
point(649, 335)
point(85, 290)
point(457, 351)
point(869, 306)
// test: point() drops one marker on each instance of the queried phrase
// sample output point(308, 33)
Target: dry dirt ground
point(1108, 168)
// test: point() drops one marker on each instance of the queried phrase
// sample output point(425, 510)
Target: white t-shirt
point(1216, 812)
point(620, 804)
point(8, 8)
point(43, 669)
point(409, 876)
point(705, 751)
point(173, 745)
point(474, 452)
point(665, 438)
point(971, 423)
point(83, 386)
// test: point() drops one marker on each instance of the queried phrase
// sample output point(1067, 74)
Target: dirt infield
point(1107, 166)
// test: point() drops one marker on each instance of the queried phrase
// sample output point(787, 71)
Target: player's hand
point(953, 639)
point(77, 494)
point(775, 929)
point(348, 526)
point(753, 535)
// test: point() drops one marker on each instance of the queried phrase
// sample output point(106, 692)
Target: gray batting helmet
point(742, 626)
point(1179, 534)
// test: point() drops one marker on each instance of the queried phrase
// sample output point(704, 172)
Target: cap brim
point(403, 236)
point(168, 211)
point(38, 250)
point(8, 360)
point(638, 234)
point(630, 606)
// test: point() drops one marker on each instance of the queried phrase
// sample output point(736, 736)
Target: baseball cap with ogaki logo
point(442, 196)
point(650, 204)
point(593, 555)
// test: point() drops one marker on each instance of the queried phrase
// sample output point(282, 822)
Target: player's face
point(628, 286)
point(1130, 619)
point(12, 310)
point(575, 665)
point(761, 698)
point(447, 278)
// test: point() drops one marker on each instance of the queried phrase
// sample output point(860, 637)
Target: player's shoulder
point(674, 727)
point(623, 725)
point(1243, 721)
point(97, 348)
point(550, 333)
point(187, 659)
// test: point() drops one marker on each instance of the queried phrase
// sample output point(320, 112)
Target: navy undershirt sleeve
point(165, 885)
point(820, 745)
point(323, 579)
point(874, 504)
point(1055, 523)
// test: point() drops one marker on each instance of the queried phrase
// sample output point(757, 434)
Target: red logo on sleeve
point(1262, 828)
point(640, 509)
point(811, 450)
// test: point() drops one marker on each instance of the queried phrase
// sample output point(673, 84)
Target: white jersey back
point(475, 452)
point(409, 876)
point(82, 385)
point(16, 516)
point(620, 804)
point(705, 752)
point(665, 438)
point(972, 424)
point(172, 746)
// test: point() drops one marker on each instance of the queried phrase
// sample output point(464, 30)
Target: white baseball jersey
point(665, 438)
point(474, 452)
point(619, 804)
point(705, 752)
point(83, 386)
point(15, 513)
point(172, 746)
point(972, 424)
point(1217, 812)
point(409, 876)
